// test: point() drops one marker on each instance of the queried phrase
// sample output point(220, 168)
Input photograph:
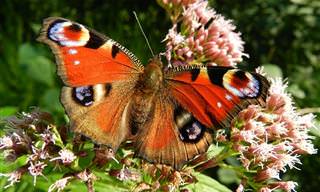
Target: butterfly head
point(152, 76)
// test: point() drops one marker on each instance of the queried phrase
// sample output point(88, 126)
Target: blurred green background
point(281, 35)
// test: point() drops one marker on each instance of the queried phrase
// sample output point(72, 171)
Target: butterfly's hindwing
point(100, 111)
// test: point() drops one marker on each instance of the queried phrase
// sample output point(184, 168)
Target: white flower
point(36, 170)
point(66, 156)
point(6, 142)
point(60, 184)
point(13, 177)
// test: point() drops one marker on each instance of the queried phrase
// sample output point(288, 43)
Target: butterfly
point(169, 114)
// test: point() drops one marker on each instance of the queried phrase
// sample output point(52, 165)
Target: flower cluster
point(201, 36)
point(270, 139)
point(46, 146)
point(34, 137)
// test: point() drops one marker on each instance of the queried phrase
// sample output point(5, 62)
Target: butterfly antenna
point(144, 35)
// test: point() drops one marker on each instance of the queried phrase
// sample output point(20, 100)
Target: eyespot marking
point(190, 130)
point(68, 34)
point(83, 95)
point(242, 84)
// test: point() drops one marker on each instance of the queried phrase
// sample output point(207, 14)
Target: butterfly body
point(169, 115)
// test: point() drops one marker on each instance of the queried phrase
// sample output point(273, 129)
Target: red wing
point(215, 94)
point(85, 57)
point(171, 136)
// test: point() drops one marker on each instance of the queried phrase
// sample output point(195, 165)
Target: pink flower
point(204, 37)
point(6, 142)
point(240, 188)
point(36, 170)
point(86, 176)
point(287, 186)
point(125, 174)
point(270, 138)
point(268, 173)
point(66, 156)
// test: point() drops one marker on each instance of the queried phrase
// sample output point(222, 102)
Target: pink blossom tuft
point(204, 37)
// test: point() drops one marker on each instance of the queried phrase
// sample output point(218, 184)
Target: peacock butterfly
point(169, 114)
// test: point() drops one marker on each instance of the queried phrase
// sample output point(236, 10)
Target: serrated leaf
point(207, 184)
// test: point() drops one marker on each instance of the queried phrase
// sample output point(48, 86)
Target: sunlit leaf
point(7, 111)
point(207, 184)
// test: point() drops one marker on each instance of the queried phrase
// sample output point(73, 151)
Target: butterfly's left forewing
point(100, 76)
point(86, 57)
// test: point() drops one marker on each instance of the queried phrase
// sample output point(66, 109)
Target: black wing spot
point(194, 74)
point(75, 27)
point(114, 51)
point(95, 41)
point(108, 88)
point(83, 95)
point(216, 74)
point(241, 75)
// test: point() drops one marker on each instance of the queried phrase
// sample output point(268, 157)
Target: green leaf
point(41, 69)
point(214, 150)
point(296, 91)
point(50, 100)
point(26, 53)
point(36, 66)
point(106, 182)
point(272, 70)
point(6, 167)
point(7, 111)
point(227, 176)
point(207, 184)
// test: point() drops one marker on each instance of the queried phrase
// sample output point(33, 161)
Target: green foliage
point(282, 35)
